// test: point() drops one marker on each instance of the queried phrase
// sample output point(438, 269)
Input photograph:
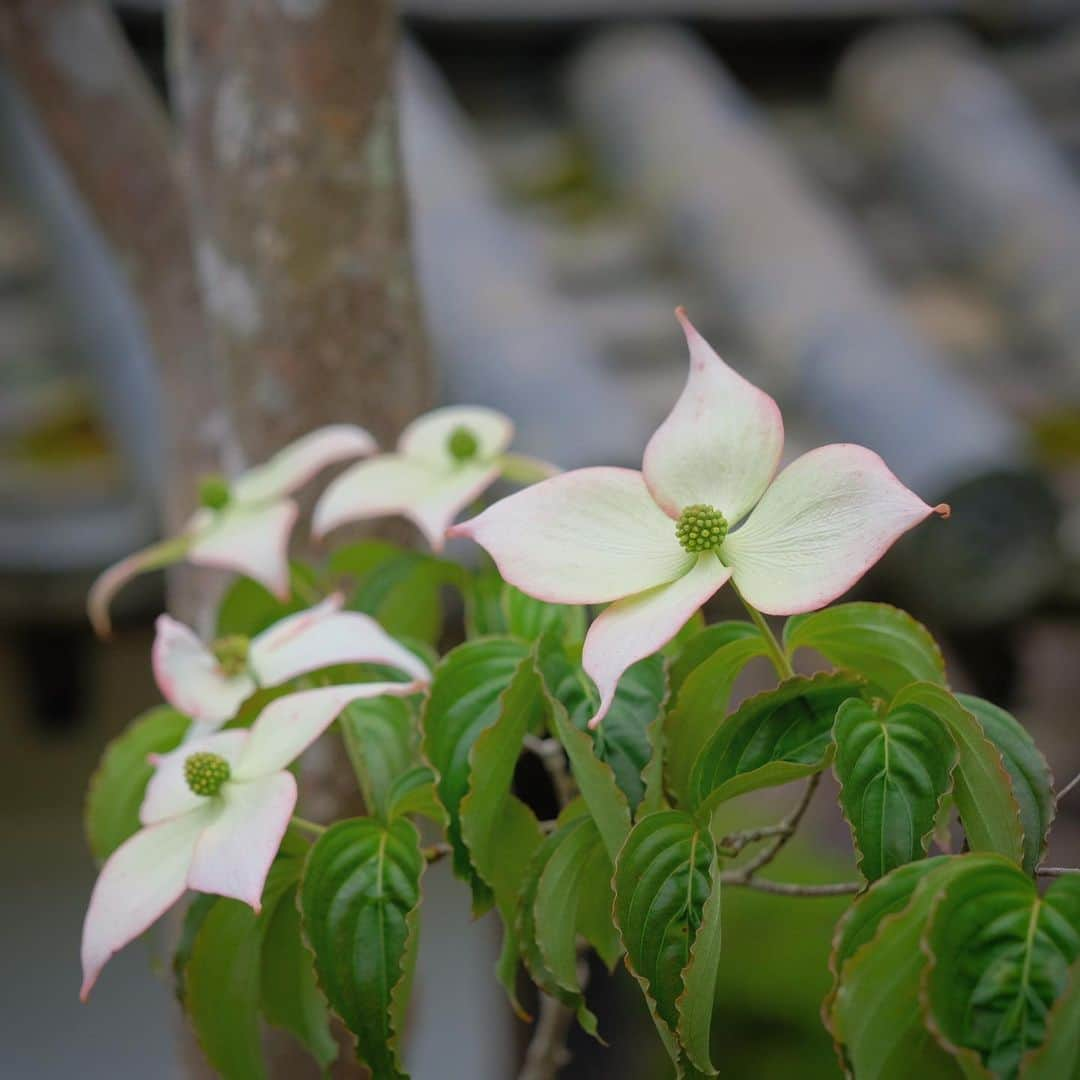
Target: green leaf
point(465, 700)
point(1032, 784)
point(623, 739)
point(981, 785)
point(413, 792)
point(595, 780)
point(555, 907)
point(894, 767)
point(697, 1003)
point(883, 644)
point(700, 647)
point(484, 612)
point(499, 830)
point(663, 879)
point(874, 1013)
point(291, 999)
point(530, 619)
point(359, 901)
point(999, 958)
point(887, 896)
point(249, 608)
point(401, 589)
point(703, 692)
point(1059, 1056)
point(222, 977)
point(771, 738)
point(119, 783)
point(381, 738)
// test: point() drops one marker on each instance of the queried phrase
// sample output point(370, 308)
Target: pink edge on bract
point(721, 443)
point(638, 626)
point(583, 537)
point(823, 523)
point(234, 853)
point(294, 465)
point(190, 679)
point(139, 882)
point(250, 541)
point(111, 580)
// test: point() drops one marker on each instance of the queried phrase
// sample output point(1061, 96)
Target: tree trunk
point(300, 224)
point(111, 132)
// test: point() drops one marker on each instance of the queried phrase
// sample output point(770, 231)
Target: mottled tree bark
point(301, 227)
point(111, 132)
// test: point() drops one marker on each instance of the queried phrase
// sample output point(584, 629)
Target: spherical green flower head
point(205, 773)
point(462, 444)
point(214, 492)
point(701, 528)
point(231, 653)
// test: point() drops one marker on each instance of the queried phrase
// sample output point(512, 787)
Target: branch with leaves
point(632, 718)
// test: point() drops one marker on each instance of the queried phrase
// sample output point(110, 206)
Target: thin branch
point(787, 888)
point(1068, 787)
point(434, 852)
point(784, 831)
point(1057, 871)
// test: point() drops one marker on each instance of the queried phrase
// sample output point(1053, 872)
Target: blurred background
point(870, 207)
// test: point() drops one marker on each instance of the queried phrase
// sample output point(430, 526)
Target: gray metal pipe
point(794, 279)
point(963, 147)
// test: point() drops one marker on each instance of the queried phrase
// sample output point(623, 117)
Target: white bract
point(209, 684)
point(444, 460)
point(660, 542)
point(214, 815)
point(247, 524)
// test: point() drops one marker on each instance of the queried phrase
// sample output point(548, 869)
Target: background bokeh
point(873, 216)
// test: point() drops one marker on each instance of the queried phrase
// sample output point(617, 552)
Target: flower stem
point(1068, 787)
point(308, 826)
point(776, 652)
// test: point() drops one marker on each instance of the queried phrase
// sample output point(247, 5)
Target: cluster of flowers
point(707, 507)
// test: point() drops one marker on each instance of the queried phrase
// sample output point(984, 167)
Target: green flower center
point(231, 653)
point(214, 492)
point(206, 772)
point(701, 528)
point(462, 444)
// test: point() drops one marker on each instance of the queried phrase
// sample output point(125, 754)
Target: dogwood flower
point(209, 684)
point(243, 526)
point(660, 542)
point(444, 460)
point(213, 819)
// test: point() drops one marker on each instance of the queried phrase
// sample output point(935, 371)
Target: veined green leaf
point(894, 766)
point(398, 587)
point(1032, 785)
point(874, 1013)
point(223, 975)
point(291, 998)
point(999, 958)
point(413, 792)
point(1059, 1056)
point(530, 619)
point(771, 739)
point(381, 738)
point(464, 701)
point(555, 908)
point(119, 783)
point(697, 1003)
point(595, 780)
point(484, 614)
point(663, 879)
point(883, 644)
point(359, 901)
point(623, 739)
point(499, 830)
point(701, 646)
point(982, 788)
point(704, 690)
